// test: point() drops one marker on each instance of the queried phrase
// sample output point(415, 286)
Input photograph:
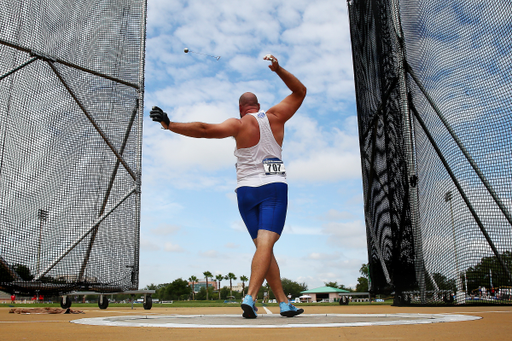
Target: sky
point(189, 220)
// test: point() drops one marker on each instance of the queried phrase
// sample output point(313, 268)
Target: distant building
point(327, 294)
point(239, 286)
point(202, 284)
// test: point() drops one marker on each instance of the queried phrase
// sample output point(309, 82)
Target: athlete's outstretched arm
point(288, 106)
point(228, 128)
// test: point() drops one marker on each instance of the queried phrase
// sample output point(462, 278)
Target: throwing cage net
point(71, 107)
point(434, 96)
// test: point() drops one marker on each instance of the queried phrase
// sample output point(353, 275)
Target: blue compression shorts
point(264, 207)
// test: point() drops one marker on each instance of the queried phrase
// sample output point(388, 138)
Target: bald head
point(248, 98)
point(248, 103)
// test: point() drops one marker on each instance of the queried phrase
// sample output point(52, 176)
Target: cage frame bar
point(109, 188)
point(98, 221)
point(93, 122)
point(63, 62)
point(459, 143)
point(462, 193)
point(33, 59)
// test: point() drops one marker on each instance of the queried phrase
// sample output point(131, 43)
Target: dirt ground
point(496, 324)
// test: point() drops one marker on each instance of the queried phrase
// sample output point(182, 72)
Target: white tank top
point(260, 164)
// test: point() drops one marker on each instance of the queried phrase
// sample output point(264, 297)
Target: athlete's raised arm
point(288, 106)
point(229, 127)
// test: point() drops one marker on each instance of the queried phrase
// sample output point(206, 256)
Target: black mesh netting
point(71, 91)
point(434, 95)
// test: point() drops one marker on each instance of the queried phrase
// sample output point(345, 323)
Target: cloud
point(169, 247)
point(148, 245)
point(327, 165)
point(346, 234)
point(189, 163)
point(210, 254)
point(155, 200)
point(319, 155)
point(357, 200)
point(165, 229)
point(330, 268)
point(243, 64)
point(310, 38)
point(239, 226)
point(322, 256)
point(301, 230)
point(334, 214)
point(231, 195)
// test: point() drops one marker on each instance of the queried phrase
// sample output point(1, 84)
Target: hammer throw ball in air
point(186, 50)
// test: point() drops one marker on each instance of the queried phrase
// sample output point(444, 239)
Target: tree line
point(489, 273)
point(181, 289)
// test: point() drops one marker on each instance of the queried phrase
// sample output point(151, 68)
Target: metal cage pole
point(467, 155)
point(409, 149)
point(136, 255)
point(108, 191)
point(463, 195)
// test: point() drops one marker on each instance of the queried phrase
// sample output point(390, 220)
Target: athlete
point(262, 191)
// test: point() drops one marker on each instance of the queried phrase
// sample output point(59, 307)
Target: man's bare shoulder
point(233, 123)
point(249, 120)
point(234, 120)
point(274, 118)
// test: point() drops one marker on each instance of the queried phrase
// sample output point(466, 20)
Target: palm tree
point(193, 280)
point(226, 278)
point(206, 275)
point(243, 279)
point(231, 277)
point(219, 278)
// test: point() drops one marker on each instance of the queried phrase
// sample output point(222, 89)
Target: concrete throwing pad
point(273, 320)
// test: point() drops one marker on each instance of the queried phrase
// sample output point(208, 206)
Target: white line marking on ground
point(268, 311)
point(483, 312)
point(274, 320)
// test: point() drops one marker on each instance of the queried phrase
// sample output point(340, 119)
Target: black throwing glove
point(158, 115)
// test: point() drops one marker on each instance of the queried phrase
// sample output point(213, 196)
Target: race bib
point(273, 166)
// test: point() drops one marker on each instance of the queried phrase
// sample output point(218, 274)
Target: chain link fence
point(434, 96)
point(71, 99)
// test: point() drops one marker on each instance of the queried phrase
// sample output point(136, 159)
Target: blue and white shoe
point(249, 308)
point(289, 310)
